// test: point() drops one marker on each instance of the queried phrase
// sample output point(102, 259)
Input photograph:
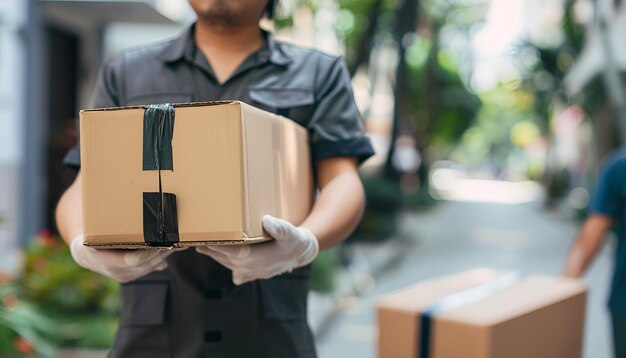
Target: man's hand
point(120, 265)
point(293, 247)
point(590, 239)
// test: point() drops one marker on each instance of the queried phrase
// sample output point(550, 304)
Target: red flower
point(40, 264)
point(22, 345)
point(5, 277)
point(45, 233)
point(46, 239)
point(10, 300)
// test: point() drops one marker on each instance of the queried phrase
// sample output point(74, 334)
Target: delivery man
point(247, 301)
point(607, 211)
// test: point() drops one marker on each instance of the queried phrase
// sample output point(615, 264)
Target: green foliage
point(417, 53)
point(23, 327)
point(384, 201)
point(56, 303)
point(490, 137)
point(283, 21)
point(52, 278)
point(354, 19)
point(544, 76)
point(324, 270)
point(96, 330)
point(457, 12)
point(574, 33)
point(444, 108)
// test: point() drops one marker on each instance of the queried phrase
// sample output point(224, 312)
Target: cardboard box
point(484, 314)
point(204, 175)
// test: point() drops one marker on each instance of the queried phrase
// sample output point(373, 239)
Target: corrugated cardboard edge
point(176, 105)
point(143, 245)
point(245, 209)
point(82, 149)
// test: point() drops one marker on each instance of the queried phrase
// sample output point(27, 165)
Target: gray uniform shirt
point(306, 85)
point(192, 309)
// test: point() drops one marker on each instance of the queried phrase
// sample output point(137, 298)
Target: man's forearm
point(69, 217)
point(586, 245)
point(577, 261)
point(337, 210)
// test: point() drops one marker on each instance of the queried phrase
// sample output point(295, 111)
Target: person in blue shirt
point(606, 212)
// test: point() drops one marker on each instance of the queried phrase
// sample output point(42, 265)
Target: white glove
point(120, 265)
point(293, 247)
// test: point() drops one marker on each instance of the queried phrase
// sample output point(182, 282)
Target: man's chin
point(220, 15)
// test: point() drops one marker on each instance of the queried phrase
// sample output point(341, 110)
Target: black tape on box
point(160, 218)
point(158, 130)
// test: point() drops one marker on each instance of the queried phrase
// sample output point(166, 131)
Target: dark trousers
point(192, 309)
point(619, 334)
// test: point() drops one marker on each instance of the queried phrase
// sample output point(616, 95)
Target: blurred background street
point(457, 236)
point(490, 118)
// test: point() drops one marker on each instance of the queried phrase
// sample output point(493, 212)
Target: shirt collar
point(275, 51)
point(184, 45)
point(175, 49)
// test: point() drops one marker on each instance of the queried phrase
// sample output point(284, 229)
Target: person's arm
point(69, 216)
point(335, 214)
point(338, 145)
point(69, 208)
point(120, 265)
point(606, 203)
point(339, 206)
point(589, 240)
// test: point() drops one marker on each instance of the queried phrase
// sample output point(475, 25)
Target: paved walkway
point(456, 236)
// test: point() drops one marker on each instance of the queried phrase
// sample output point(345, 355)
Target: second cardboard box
point(484, 314)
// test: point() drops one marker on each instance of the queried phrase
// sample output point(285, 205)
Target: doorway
point(62, 69)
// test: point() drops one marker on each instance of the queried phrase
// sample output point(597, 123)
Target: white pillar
point(13, 15)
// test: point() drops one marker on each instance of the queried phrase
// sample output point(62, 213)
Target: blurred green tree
point(431, 102)
point(544, 78)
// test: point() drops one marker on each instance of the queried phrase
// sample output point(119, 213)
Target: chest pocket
point(293, 103)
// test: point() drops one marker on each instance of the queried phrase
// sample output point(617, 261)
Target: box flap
point(415, 298)
point(176, 105)
point(529, 294)
point(533, 293)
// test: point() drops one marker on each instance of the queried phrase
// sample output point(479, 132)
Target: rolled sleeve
point(336, 127)
point(72, 158)
point(105, 95)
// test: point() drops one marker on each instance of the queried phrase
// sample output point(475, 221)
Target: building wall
point(12, 88)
